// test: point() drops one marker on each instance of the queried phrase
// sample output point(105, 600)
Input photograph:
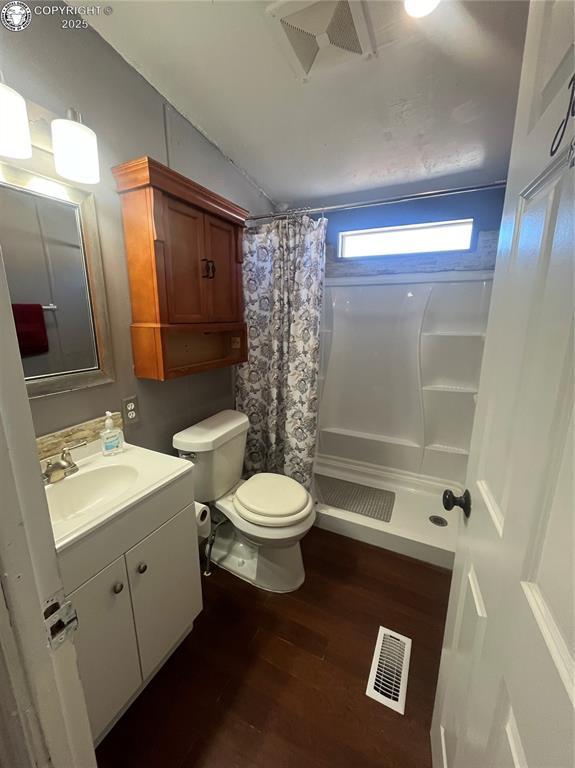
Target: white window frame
point(403, 227)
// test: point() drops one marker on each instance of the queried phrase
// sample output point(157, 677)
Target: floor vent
point(353, 497)
point(389, 670)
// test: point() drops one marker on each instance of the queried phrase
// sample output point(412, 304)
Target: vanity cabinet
point(184, 253)
point(133, 612)
point(165, 588)
point(106, 644)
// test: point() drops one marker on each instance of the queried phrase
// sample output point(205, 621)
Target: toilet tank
point(216, 446)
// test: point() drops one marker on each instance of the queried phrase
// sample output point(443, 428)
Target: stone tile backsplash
point(482, 257)
point(53, 443)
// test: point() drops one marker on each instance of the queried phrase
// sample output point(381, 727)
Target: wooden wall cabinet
point(184, 252)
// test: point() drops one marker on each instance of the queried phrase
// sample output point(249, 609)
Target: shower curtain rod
point(384, 201)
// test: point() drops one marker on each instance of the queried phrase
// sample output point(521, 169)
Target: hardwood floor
point(278, 681)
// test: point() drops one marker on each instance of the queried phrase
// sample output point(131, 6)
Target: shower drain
point(438, 520)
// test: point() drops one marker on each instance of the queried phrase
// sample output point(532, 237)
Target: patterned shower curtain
point(284, 263)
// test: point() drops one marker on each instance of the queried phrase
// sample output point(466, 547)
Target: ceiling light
point(419, 8)
point(14, 126)
point(75, 149)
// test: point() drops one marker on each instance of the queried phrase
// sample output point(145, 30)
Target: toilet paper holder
point(203, 520)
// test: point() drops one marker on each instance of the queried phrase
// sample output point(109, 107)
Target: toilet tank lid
point(212, 432)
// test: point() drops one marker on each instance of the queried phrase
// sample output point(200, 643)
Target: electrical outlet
point(130, 410)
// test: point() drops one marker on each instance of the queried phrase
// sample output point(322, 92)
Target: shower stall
point(401, 357)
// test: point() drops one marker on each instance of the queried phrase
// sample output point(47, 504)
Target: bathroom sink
point(106, 486)
point(84, 491)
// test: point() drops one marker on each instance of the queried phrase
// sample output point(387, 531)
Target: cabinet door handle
point(212, 269)
point(142, 568)
point(206, 268)
point(117, 588)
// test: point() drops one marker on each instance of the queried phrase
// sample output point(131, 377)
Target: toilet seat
point(269, 499)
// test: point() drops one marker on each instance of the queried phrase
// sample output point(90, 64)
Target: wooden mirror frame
point(25, 181)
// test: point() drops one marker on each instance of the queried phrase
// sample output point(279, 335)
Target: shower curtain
point(283, 271)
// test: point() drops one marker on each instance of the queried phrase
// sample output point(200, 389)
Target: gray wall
point(59, 68)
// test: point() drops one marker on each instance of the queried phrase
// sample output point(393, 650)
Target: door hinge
point(61, 620)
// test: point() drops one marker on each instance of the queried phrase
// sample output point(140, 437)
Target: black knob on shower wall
point(450, 500)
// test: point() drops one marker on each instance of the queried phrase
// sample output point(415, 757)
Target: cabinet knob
point(142, 568)
point(117, 588)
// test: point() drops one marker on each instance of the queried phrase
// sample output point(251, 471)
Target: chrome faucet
point(57, 470)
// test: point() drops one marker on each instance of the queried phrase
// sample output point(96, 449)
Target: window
point(434, 237)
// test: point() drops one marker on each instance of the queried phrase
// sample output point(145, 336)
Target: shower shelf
point(450, 388)
point(447, 449)
point(464, 334)
point(450, 362)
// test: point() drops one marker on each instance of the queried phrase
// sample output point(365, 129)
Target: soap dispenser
point(112, 437)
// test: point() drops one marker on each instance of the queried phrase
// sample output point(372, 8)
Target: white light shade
point(75, 149)
point(419, 8)
point(14, 125)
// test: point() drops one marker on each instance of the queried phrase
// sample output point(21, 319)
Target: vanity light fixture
point(14, 126)
point(419, 8)
point(75, 149)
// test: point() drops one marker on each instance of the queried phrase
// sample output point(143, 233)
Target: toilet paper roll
point(203, 519)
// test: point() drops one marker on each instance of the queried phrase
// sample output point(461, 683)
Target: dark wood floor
point(278, 681)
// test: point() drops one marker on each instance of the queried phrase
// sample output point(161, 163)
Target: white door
point(106, 644)
point(40, 687)
point(506, 685)
point(166, 587)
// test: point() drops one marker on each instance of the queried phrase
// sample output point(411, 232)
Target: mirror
point(51, 253)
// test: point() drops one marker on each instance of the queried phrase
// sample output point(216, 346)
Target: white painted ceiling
point(432, 109)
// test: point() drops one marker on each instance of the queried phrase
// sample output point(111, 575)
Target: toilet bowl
point(267, 515)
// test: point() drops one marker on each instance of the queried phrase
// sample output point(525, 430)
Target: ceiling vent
point(320, 35)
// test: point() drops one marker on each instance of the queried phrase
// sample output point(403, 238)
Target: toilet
point(268, 514)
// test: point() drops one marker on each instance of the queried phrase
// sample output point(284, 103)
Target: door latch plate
point(61, 620)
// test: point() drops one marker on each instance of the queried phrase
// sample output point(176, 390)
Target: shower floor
point(408, 532)
point(361, 499)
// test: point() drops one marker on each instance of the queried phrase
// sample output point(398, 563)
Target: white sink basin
point(105, 486)
point(84, 491)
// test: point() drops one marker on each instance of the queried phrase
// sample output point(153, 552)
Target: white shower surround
point(401, 357)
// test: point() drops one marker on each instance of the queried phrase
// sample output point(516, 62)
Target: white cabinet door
point(106, 644)
point(164, 575)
